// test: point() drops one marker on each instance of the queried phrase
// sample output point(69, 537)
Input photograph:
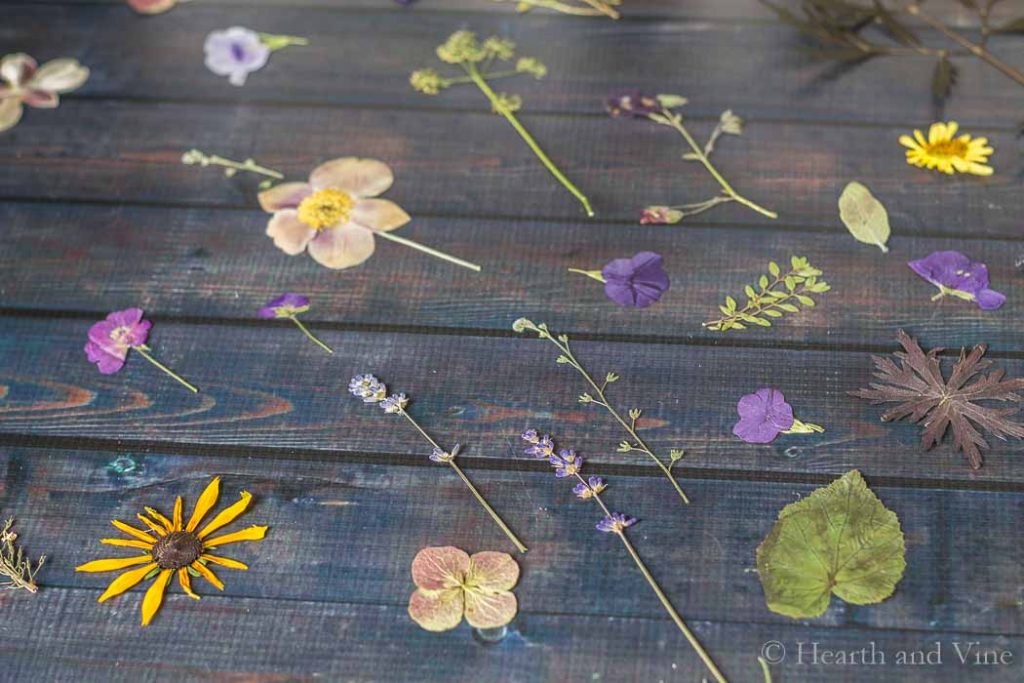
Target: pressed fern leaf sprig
point(776, 294)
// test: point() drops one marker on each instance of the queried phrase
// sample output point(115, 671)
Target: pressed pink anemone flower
point(151, 6)
point(111, 339)
point(25, 82)
point(334, 216)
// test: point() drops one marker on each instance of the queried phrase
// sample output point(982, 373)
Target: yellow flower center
point(325, 208)
point(947, 148)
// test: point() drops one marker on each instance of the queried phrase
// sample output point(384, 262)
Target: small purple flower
point(285, 306)
point(637, 281)
point(110, 339)
point(956, 275)
point(368, 388)
point(543, 448)
point(615, 523)
point(395, 403)
point(235, 53)
point(438, 455)
point(530, 435)
point(592, 487)
point(632, 103)
point(763, 416)
point(566, 463)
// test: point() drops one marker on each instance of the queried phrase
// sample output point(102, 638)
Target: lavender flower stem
point(676, 123)
point(472, 489)
point(495, 101)
point(309, 334)
point(427, 250)
point(694, 643)
point(145, 354)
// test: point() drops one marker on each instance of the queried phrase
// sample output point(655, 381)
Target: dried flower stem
point(276, 42)
point(144, 351)
point(498, 105)
point(472, 489)
point(428, 250)
point(19, 571)
point(195, 157)
point(675, 121)
point(596, 7)
point(311, 336)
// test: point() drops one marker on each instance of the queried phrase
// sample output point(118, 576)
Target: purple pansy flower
point(632, 103)
point(235, 53)
point(637, 281)
point(110, 339)
point(615, 523)
point(763, 416)
point(956, 275)
point(566, 463)
point(285, 306)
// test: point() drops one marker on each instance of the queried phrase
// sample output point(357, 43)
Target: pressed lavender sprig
point(371, 390)
point(288, 306)
point(598, 398)
point(568, 464)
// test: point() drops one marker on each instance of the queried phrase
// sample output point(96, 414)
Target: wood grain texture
point(586, 60)
point(266, 387)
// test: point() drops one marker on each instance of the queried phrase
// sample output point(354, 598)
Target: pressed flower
point(541, 447)
point(566, 463)
point(660, 215)
point(615, 523)
point(237, 52)
point(175, 547)
point(336, 215)
point(23, 81)
point(956, 275)
point(289, 306)
point(151, 6)
point(588, 489)
point(636, 282)
point(451, 584)
point(765, 414)
point(579, 8)
point(112, 338)
point(944, 152)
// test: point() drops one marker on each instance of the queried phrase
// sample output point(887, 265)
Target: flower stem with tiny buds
point(195, 157)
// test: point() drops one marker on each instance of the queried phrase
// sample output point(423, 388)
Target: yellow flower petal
point(155, 514)
point(125, 543)
point(155, 596)
point(157, 528)
point(205, 503)
point(951, 128)
point(224, 561)
point(937, 133)
point(126, 581)
point(227, 515)
point(919, 136)
point(908, 141)
point(178, 506)
point(207, 574)
point(132, 531)
point(113, 563)
point(253, 533)
point(186, 583)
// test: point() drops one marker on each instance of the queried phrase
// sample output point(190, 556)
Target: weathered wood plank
point(266, 387)
point(474, 164)
point(345, 531)
point(219, 264)
point(586, 60)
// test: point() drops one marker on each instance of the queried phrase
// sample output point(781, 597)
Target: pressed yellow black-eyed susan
point(174, 546)
point(944, 152)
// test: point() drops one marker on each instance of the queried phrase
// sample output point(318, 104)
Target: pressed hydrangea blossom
point(112, 338)
point(765, 414)
point(23, 81)
point(451, 584)
point(956, 275)
point(289, 306)
point(237, 52)
point(636, 282)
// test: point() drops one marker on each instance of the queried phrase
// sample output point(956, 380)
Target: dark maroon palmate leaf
point(926, 398)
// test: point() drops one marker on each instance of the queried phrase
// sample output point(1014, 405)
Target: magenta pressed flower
point(288, 306)
point(636, 282)
point(112, 338)
point(956, 275)
point(765, 414)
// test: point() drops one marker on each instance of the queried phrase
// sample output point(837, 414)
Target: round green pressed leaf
point(840, 539)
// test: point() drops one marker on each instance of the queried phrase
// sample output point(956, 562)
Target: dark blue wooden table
point(97, 213)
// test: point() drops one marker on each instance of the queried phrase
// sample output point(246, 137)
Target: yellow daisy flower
point(173, 546)
point(948, 154)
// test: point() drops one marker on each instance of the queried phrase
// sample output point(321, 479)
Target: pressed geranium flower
point(289, 306)
point(112, 338)
point(174, 547)
point(237, 52)
point(450, 585)
point(956, 275)
point(637, 282)
point(24, 82)
point(943, 152)
point(765, 414)
point(336, 214)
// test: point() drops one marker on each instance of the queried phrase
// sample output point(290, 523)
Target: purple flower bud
point(763, 416)
point(530, 435)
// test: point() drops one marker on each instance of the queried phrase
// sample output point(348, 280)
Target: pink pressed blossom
point(111, 339)
point(151, 6)
point(25, 82)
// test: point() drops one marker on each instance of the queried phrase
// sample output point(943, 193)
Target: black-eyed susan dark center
point(177, 549)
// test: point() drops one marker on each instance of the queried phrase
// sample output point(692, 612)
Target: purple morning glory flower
point(110, 339)
point(285, 306)
point(566, 463)
point(637, 281)
point(615, 523)
point(235, 53)
point(956, 275)
point(632, 103)
point(763, 416)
